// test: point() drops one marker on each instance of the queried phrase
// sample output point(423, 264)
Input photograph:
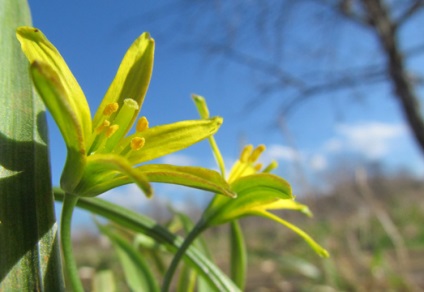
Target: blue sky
point(89, 36)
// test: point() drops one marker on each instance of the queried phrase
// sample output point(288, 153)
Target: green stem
point(69, 203)
point(180, 253)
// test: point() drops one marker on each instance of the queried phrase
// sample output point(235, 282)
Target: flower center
point(246, 163)
point(116, 123)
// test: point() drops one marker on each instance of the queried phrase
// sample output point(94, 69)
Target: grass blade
point(29, 258)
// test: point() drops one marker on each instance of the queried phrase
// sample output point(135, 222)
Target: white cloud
point(129, 196)
point(333, 145)
point(318, 162)
point(179, 159)
point(281, 152)
point(372, 139)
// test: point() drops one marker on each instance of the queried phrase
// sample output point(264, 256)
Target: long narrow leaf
point(104, 281)
point(139, 223)
point(29, 259)
point(137, 273)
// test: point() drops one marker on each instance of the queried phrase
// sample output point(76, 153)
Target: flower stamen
point(245, 153)
point(137, 143)
point(102, 126)
point(124, 119)
point(110, 109)
point(142, 124)
point(256, 153)
point(111, 130)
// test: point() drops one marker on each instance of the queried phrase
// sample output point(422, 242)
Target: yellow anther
point(102, 126)
point(258, 166)
point(110, 109)
point(256, 153)
point(142, 124)
point(111, 130)
point(137, 143)
point(245, 153)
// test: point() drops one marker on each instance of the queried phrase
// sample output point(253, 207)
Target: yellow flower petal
point(132, 78)
point(166, 139)
point(51, 90)
point(38, 48)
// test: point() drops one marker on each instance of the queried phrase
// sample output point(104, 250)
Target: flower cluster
point(101, 155)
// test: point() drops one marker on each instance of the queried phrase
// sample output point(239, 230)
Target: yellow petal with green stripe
point(166, 139)
point(133, 76)
point(102, 168)
point(51, 90)
point(38, 48)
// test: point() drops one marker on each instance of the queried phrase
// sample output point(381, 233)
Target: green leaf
point(137, 273)
point(141, 224)
point(199, 243)
point(104, 281)
point(238, 255)
point(30, 259)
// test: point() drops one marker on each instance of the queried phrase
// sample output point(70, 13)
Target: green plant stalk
point(191, 237)
point(238, 255)
point(30, 258)
point(69, 203)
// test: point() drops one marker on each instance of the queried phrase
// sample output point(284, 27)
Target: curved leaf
point(137, 273)
point(139, 223)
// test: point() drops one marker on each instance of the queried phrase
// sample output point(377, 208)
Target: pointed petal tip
point(219, 120)
point(28, 32)
point(324, 253)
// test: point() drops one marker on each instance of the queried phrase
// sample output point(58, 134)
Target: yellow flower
point(258, 191)
point(100, 154)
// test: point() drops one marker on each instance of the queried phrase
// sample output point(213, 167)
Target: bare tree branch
point(403, 89)
point(409, 12)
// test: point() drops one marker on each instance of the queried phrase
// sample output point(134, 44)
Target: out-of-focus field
point(373, 229)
